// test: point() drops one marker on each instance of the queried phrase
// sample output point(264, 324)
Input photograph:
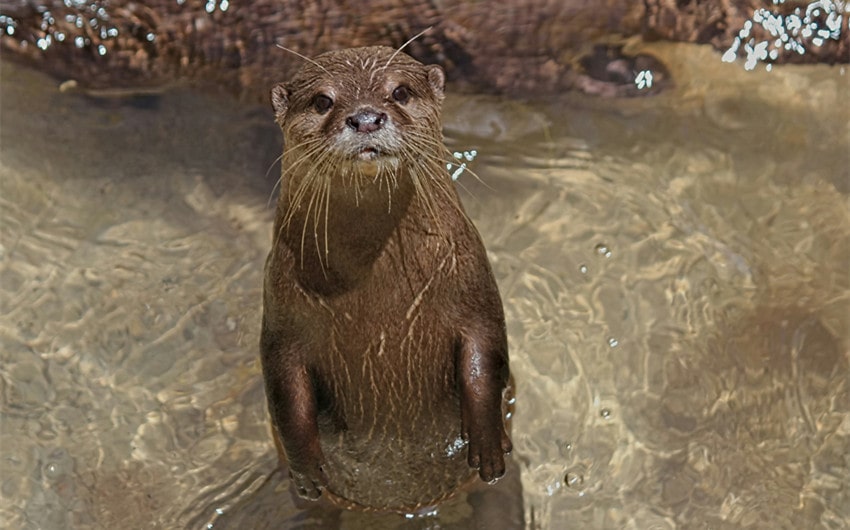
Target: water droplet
point(582, 268)
point(612, 342)
point(603, 250)
point(605, 413)
point(574, 480)
point(52, 471)
point(644, 79)
point(564, 448)
point(458, 171)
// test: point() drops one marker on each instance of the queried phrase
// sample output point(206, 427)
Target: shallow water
point(674, 271)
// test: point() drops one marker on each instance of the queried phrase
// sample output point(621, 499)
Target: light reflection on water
point(674, 269)
point(806, 26)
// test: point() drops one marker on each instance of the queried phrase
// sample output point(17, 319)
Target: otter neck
point(335, 243)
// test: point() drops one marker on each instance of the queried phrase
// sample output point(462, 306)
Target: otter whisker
point(385, 175)
point(322, 194)
point(277, 182)
point(290, 167)
point(403, 46)
point(358, 178)
point(308, 184)
point(305, 154)
point(293, 52)
point(311, 208)
point(424, 198)
point(291, 205)
point(306, 180)
point(439, 186)
point(295, 199)
point(449, 160)
point(327, 185)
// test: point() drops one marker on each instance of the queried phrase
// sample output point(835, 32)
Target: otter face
point(367, 107)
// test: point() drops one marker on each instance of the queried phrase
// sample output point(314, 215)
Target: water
point(674, 270)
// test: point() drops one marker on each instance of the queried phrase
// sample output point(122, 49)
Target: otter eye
point(322, 103)
point(401, 94)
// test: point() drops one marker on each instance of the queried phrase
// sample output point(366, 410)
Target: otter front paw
point(309, 483)
point(486, 450)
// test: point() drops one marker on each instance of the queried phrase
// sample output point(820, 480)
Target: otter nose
point(366, 121)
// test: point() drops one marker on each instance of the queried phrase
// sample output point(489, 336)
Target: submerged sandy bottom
point(674, 272)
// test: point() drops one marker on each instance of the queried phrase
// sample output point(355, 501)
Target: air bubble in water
point(52, 471)
point(603, 250)
point(574, 480)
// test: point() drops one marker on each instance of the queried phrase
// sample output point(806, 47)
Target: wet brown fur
point(383, 338)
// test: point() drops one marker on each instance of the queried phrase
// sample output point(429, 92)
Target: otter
point(383, 343)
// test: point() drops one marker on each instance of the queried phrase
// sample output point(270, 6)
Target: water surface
point(674, 271)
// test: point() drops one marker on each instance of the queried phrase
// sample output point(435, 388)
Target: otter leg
point(292, 404)
point(483, 375)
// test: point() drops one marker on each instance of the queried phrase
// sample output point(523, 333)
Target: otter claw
point(491, 469)
point(488, 457)
point(309, 488)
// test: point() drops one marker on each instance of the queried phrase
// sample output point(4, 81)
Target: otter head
point(361, 112)
point(362, 142)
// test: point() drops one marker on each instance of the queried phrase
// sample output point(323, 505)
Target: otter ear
point(280, 100)
point(437, 80)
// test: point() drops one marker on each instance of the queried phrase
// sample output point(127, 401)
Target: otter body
point(383, 340)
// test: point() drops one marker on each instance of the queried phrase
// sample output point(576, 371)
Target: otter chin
point(383, 340)
point(370, 163)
